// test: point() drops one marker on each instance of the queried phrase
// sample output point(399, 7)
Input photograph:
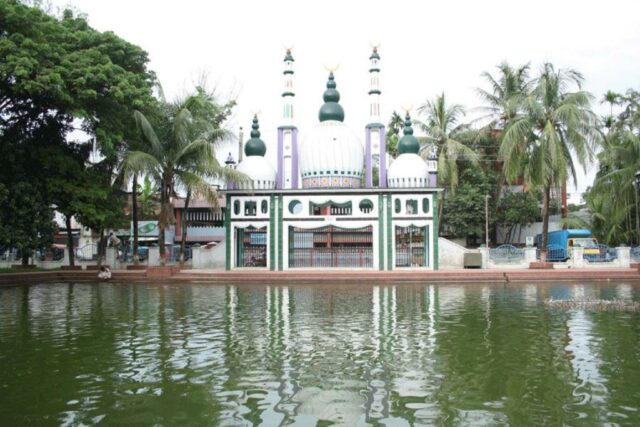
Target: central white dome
point(260, 171)
point(408, 171)
point(331, 156)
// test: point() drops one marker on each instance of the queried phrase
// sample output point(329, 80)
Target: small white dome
point(331, 156)
point(408, 171)
point(260, 171)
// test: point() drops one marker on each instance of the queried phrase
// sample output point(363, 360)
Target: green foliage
point(464, 210)
point(181, 139)
point(517, 209)
point(615, 218)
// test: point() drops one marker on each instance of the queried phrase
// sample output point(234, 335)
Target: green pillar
point(436, 260)
point(280, 233)
point(390, 259)
point(227, 226)
point(272, 233)
point(380, 232)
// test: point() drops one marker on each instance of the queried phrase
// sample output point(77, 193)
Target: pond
point(398, 355)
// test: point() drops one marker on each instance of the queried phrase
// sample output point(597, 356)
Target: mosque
point(332, 201)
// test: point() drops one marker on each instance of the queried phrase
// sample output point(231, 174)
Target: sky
point(426, 48)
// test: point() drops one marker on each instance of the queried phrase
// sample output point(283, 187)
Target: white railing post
point(577, 257)
point(624, 256)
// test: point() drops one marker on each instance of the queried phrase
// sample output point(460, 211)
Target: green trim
point(389, 235)
point(280, 233)
point(287, 127)
point(426, 246)
point(375, 92)
point(272, 235)
point(380, 232)
point(436, 256)
point(372, 70)
point(287, 72)
point(288, 94)
point(374, 126)
point(227, 225)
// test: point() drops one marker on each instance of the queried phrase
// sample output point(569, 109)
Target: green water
point(119, 354)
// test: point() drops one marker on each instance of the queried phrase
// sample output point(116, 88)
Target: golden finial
point(331, 66)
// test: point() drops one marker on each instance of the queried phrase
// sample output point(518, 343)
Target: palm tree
point(555, 123)
point(180, 152)
point(612, 98)
point(441, 123)
point(505, 95)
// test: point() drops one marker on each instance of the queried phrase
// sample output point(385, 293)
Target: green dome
point(255, 146)
point(408, 143)
point(288, 56)
point(331, 110)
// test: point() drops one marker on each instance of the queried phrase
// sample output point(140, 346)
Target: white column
point(577, 257)
point(154, 256)
point(624, 256)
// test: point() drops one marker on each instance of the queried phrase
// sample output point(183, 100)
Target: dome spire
point(255, 146)
point(331, 110)
point(408, 143)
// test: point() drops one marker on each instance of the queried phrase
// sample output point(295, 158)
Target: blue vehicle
point(560, 243)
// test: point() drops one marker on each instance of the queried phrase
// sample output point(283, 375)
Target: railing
point(506, 253)
point(635, 253)
point(88, 252)
point(554, 253)
point(605, 254)
point(331, 257)
point(9, 254)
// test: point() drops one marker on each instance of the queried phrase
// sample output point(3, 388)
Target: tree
point(394, 127)
point(517, 209)
point(616, 218)
point(58, 75)
point(181, 152)
point(441, 123)
point(464, 210)
point(555, 123)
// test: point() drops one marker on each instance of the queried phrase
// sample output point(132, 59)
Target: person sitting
point(104, 273)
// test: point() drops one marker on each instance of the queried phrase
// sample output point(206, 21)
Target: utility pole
point(486, 220)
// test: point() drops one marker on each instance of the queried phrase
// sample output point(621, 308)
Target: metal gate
point(251, 247)
point(331, 246)
point(411, 246)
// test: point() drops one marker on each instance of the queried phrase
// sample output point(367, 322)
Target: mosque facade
point(332, 201)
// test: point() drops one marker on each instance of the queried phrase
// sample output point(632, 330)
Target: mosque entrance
point(331, 246)
point(251, 247)
point(412, 246)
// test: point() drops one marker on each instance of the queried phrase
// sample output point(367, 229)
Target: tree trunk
point(545, 215)
point(72, 258)
point(183, 226)
point(164, 199)
point(134, 219)
point(25, 258)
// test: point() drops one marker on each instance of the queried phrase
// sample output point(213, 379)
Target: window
point(236, 207)
point(250, 208)
point(295, 207)
point(366, 206)
point(412, 207)
point(398, 206)
point(264, 207)
point(425, 205)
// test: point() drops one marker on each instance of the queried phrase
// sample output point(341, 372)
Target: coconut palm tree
point(505, 95)
point(181, 152)
point(441, 123)
point(555, 126)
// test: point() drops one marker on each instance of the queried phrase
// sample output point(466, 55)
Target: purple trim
point(279, 177)
point(432, 179)
point(368, 172)
point(294, 158)
point(382, 173)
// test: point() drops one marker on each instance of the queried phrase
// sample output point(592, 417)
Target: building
point(320, 207)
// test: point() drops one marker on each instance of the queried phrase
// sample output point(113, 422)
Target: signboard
point(147, 229)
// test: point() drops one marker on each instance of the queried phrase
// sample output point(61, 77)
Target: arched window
point(236, 207)
point(425, 205)
point(398, 206)
point(264, 207)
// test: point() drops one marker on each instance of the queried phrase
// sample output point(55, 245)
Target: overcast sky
point(425, 47)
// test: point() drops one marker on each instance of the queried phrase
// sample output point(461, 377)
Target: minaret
point(375, 144)
point(287, 174)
